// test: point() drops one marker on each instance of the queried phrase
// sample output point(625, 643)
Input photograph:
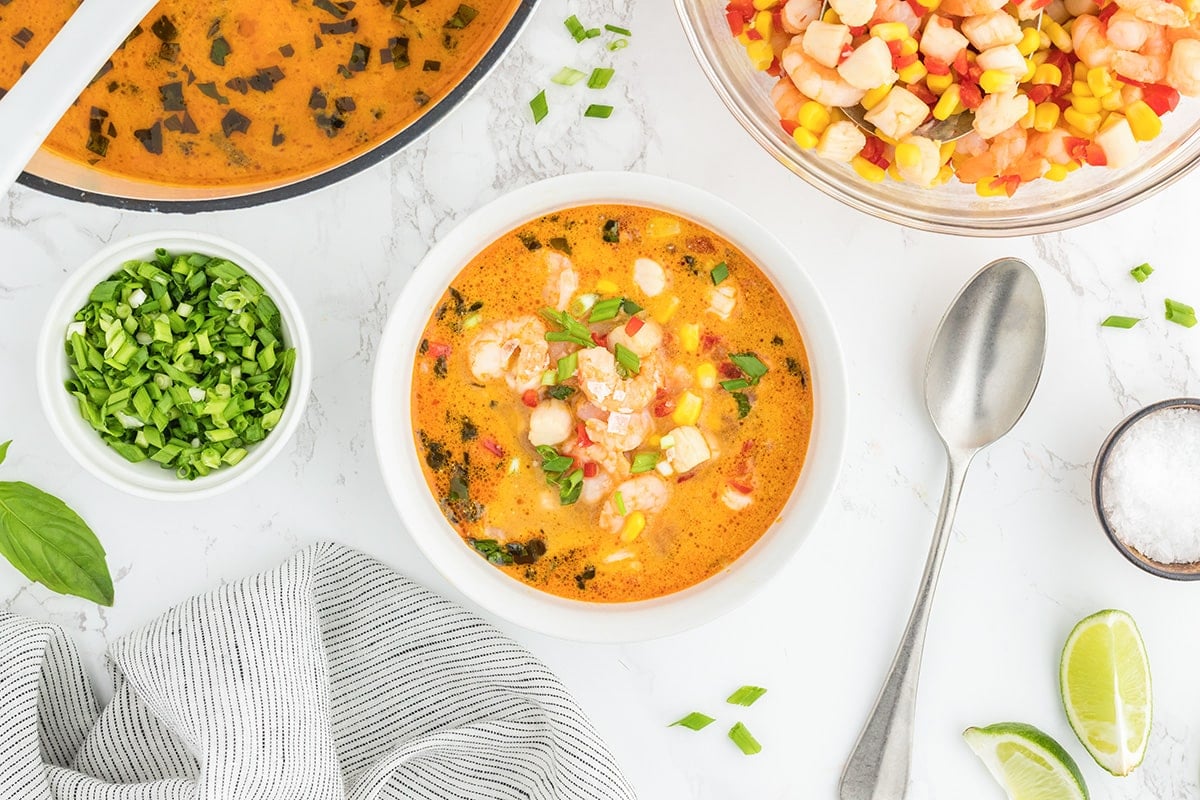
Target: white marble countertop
point(1028, 558)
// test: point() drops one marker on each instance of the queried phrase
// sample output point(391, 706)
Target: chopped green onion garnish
point(569, 77)
point(627, 359)
point(548, 378)
point(567, 366)
point(612, 231)
point(667, 442)
point(745, 742)
point(605, 310)
point(619, 502)
point(600, 77)
point(1120, 322)
point(1180, 313)
point(573, 330)
point(615, 29)
point(571, 488)
point(694, 721)
point(539, 106)
point(719, 273)
point(630, 307)
point(743, 404)
point(598, 111)
point(618, 44)
point(575, 27)
point(746, 695)
point(749, 364)
point(557, 464)
point(735, 384)
point(471, 321)
point(560, 392)
point(1141, 272)
point(591, 33)
point(583, 304)
point(644, 462)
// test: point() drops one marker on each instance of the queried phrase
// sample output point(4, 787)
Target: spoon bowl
point(984, 365)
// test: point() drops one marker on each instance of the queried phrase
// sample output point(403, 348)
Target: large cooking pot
point(53, 174)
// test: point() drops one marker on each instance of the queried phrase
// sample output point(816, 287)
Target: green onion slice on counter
point(597, 111)
point(1180, 313)
point(694, 721)
point(746, 696)
point(741, 736)
point(1115, 321)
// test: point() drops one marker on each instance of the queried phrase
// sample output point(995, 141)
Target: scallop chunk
point(825, 41)
point(941, 40)
point(550, 423)
point(854, 12)
point(869, 66)
point(992, 30)
point(999, 112)
point(898, 114)
point(690, 449)
point(841, 141)
point(1006, 58)
point(1120, 147)
point(649, 276)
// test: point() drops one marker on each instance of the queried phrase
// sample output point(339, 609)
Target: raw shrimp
point(1148, 64)
point(604, 387)
point(562, 281)
point(970, 8)
point(512, 349)
point(798, 14)
point(1077, 8)
point(787, 99)
point(645, 493)
point(897, 11)
point(648, 338)
point(595, 488)
point(1002, 153)
point(1183, 73)
point(1090, 43)
point(620, 432)
point(819, 82)
point(1158, 12)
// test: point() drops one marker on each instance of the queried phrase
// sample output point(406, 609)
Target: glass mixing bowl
point(1039, 207)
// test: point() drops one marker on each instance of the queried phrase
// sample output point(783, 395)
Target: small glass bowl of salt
point(1146, 488)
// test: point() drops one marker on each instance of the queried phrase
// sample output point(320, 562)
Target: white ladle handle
point(878, 766)
point(53, 82)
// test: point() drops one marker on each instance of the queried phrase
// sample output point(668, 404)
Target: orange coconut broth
point(218, 92)
point(486, 388)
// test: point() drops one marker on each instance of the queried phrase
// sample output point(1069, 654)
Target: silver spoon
point(983, 368)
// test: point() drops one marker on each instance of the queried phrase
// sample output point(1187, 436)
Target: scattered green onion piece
point(591, 33)
point(563, 336)
point(735, 384)
point(567, 366)
point(605, 310)
point(746, 696)
point(583, 304)
point(568, 77)
point(749, 364)
point(1180, 313)
point(1141, 272)
point(630, 307)
point(560, 392)
point(597, 111)
point(667, 442)
point(1120, 322)
point(571, 488)
point(471, 321)
point(575, 28)
point(557, 463)
point(572, 328)
point(644, 462)
point(539, 106)
point(600, 77)
point(719, 273)
point(612, 231)
point(743, 404)
point(694, 721)
point(548, 378)
point(740, 736)
point(615, 29)
point(627, 359)
point(619, 502)
point(618, 44)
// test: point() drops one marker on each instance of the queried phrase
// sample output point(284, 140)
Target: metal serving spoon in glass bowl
point(983, 368)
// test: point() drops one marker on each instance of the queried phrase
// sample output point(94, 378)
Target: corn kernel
point(867, 170)
point(706, 375)
point(654, 440)
point(947, 103)
point(1058, 36)
point(635, 523)
point(1085, 105)
point(744, 39)
point(1109, 120)
point(764, 23)
point(939, 83)
point(831, 17)
point(944, 175)
point(805, 139)
point(1080, 71)
point(1113, 101)
point(1100, 81)
point(1048, 75)
point(994, 81)
point(990, 187)
point(909, 46)
point(1057, 172)
point(890, 31)
point(883, 137)
point(913, 73)
point(607, 287)
point(1030, 70)
point(1030, 40)
point(667, 310)
point(1039, 57)
point(929, 4)
point(814, 116)
point(687, 411)
point(946, 151)
point(875, 96)
point(1081, 89)
point(1030, 117)
point(1043, 41)
point(908, 155)
point(765, 5)
point(893, 172)
point(689, 337)
point(1144, 123)
point(1073, 165)
point(1086, 123)
point(761, 54)
point(1046, 117)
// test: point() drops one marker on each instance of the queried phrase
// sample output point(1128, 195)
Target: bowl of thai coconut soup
point(609, 407)
point(225, 103)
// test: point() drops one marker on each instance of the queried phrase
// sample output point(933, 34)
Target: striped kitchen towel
point(330, 677)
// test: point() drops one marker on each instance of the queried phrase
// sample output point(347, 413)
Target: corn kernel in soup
point(611, 403)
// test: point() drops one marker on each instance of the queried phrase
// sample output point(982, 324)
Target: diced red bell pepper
point(1009, 182)
point(753, 35)
point(741, 487)
point(663, 404)
point(530, 398)
point(1095, 155)
point(1160, 98)
point(935, 66)
point(438, 350)
point(581, 437)
point(600, 340)
point(775, 70)
point(961, 65)
point(634, 325)
point(970, 95)
point(858, 30)
point(789, 126)
point(917, 8)
point(708, 340)
point(1076, 147)
point(1039, 93)
point(900, 62)
point(591, 469)
point(923, 93)
point(736, 23)
point(1038, 5)
point(687, 476)
point(492, 446)
point(728, 369)
point(743, 7)
point(893, 45)
point(1107, 12)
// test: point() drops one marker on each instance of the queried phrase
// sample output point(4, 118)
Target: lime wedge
point(1026, 762)
point(1105, 681)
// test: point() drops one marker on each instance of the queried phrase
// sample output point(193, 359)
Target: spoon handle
point(878, 765)
point(55, 79)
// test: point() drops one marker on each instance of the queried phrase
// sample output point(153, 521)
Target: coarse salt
point(1150, 486)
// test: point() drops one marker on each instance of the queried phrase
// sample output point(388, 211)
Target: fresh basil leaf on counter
point(50, 544)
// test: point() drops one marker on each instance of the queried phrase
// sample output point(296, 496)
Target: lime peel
point(1028, 763)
